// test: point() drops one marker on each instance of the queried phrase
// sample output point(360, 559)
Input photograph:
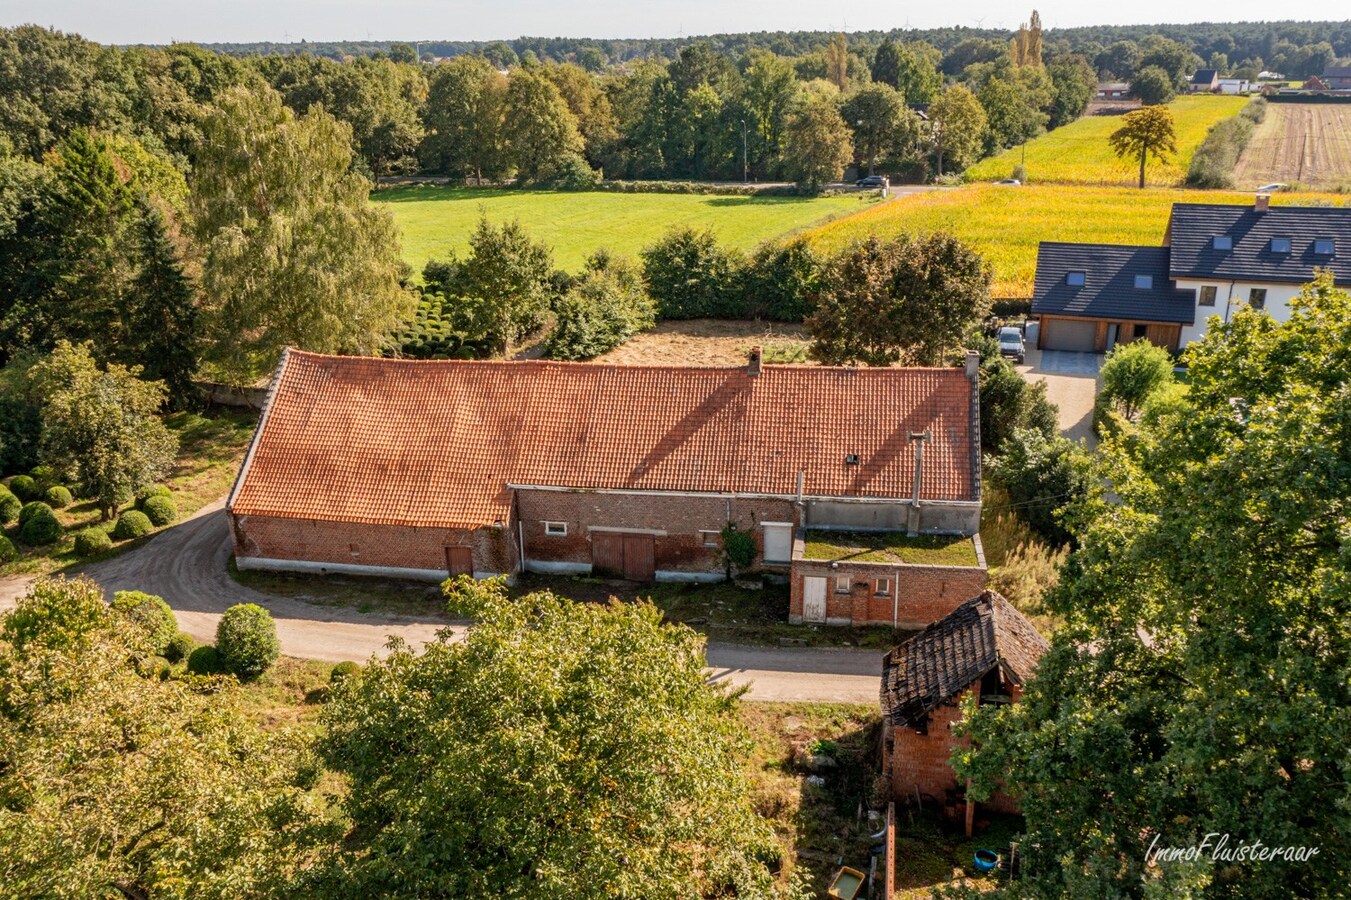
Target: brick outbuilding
point(984, 649)
point(420, 469)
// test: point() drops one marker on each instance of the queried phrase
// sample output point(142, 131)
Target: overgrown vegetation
point(1216, 160)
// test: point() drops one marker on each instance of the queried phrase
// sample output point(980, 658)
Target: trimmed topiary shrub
point(155, 490)
point(160, 510)
point(36, 508)
point(343, 671)
point(7, 551)
point(10, 506)
point(58, 497)
point(205, 661)
point(40, 527)
point(25, 488)
point(246, 639)
point(149, 612)
point(92, 542)
point(132, 524)
point(45, 476)
point(180, 647)
point(155, 667)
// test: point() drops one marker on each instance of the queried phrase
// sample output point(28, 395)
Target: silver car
point(1011, 343)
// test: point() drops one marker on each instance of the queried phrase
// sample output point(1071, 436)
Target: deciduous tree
point(957, 126)
point(1144, 133)
point(463, 116)
point(819, 145)
point(539, 130)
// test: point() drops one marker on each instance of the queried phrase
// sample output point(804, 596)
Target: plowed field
point(1308, 143)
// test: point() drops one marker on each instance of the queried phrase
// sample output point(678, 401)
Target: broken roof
point(435, 443)
point(955, 652)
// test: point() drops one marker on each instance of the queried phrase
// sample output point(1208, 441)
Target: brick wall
point(679, 547)
point(376, 546)
point(924, 594)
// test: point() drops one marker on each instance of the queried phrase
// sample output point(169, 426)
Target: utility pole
point(745, 156)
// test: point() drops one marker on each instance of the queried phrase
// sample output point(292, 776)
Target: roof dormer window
point(1144, 282)
point(1324, 247)
point(1222, 242)
point(1074, 279)
point(1280, 245)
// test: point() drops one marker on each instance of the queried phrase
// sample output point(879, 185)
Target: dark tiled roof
point(956, 651)
point(1337, 72)
point(1109, 290)
point(402, 442)
point(1203, 76)
point(1194, 226)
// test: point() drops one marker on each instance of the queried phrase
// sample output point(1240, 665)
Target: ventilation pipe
point(918, 438)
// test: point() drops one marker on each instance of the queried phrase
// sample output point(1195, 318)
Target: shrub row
point(691, 276)
point(693, 187)
point(606, 307)
point(1215, 160)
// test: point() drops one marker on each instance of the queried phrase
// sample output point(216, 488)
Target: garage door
point(1066, 334)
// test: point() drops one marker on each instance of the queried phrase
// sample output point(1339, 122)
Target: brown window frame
point(1208, 290)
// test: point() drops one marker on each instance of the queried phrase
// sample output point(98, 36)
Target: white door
point(778, 542)
point(813, 599)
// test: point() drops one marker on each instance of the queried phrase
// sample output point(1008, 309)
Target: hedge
point(92, 542)
point(26, 488)
point(132, 524)
point(58, 497)
point(246, 640)
point(1214, 162)
point(40, 528)
point(149, 612)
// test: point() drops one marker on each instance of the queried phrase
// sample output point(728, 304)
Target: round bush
point(160, 510)
point(92, 542)
point(9, 506)
point(132, 524)
point(205, 661)
point(155, 490)
point(58, 497)
point(7, 551)
point(180, 647)
point(45, 476)
point(155, 667)
point(343, 671)
point(25, 488)
point(246, 639)
point(149, 612)
point(41, 528)
point(36, 508)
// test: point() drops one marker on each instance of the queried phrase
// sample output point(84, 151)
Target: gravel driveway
point(186, 565)
point(1071, 384)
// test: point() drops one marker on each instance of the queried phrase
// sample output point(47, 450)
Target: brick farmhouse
point(984, 649)
point(421, 469)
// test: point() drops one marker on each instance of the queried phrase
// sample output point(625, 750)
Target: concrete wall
point(936, 517)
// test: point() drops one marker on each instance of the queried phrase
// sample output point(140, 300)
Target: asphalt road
point(186, 565)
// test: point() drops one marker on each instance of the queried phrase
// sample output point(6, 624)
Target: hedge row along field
point(1078, 153)
point(437, 220)
point(1006, 223)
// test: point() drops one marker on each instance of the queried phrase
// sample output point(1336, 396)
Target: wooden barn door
point(629, 556)
point(460, 560)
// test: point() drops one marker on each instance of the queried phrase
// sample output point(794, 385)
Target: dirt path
point(186, 565)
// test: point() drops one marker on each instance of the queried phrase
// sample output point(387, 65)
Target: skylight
point(1223, 242)
point(1324, 246)
point(1075, 279)
point(1144, 282)
point(1280, 245)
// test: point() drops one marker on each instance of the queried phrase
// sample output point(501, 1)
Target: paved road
point(1071, 384)
point(186, 565)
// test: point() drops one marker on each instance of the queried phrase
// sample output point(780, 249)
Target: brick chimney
point(1262, 203)
point(754, 368)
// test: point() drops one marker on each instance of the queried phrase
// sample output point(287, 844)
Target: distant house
point(1215, 259)
point(1205, 81)
point(1337, 78)
point(984, 649)
point(1113, 90)
point(1235, 86)
point(425, 469)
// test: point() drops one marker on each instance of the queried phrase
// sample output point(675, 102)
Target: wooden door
point(813, 599)
point(640, 557)
point(607, 553)
point(460, 560)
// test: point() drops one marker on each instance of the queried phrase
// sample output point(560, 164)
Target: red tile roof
point(421, 443)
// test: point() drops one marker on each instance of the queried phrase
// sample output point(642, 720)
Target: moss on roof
point(890, 547)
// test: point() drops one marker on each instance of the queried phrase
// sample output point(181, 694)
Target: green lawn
point(437, 220)
point(1078, 153)
point(890, 546)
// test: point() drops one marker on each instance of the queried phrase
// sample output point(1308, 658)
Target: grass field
point(1305, 143)
point(435, 221)
point(1006, 223)
point(1078, 153)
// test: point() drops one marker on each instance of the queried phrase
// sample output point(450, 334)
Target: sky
point(211, 21)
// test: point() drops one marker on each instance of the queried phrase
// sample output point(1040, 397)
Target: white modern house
point(1214, 260)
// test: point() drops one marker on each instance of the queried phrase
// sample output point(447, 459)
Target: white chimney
point(1262, 203)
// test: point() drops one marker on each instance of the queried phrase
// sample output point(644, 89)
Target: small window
point(884, 587)
point(1223, 242)
point(1257, 298)
point(1144, 282)
point(844, 584)
point(1324, 247)
point(1208, 292)
point(1280, 245)
point(556, 529)
point(851, 459)
point(1141, 332)
point(1075, 279)
point(711, 538)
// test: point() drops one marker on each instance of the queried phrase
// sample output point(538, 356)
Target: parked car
point(871, 181)
point(1011, 343)
point(1013, 182)
point(1274, 187)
